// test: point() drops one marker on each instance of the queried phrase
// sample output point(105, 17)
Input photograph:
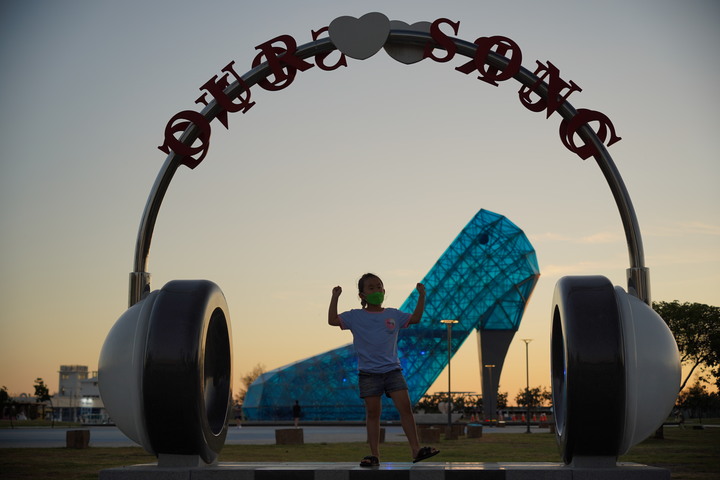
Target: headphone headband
point(637, 274)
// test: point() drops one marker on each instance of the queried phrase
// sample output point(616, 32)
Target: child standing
point(375, 332)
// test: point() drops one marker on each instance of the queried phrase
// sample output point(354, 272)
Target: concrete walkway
point(109, 436)
point(387, 471)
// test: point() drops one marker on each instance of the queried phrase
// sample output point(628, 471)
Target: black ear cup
point(165, 370)
point(187, 372)
point(615, 370)
point(588, 367)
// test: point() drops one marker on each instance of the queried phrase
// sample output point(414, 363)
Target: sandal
point(370, 461)
point(424, 453)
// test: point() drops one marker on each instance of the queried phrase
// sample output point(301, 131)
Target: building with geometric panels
point(483, 280)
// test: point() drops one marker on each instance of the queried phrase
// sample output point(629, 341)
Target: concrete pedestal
point(454, 431)
point(289, 436)
point(429, 436)
point(390, 470)
point(474, 431)
point(77, 438)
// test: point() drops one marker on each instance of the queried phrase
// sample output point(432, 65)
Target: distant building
point(78, 398)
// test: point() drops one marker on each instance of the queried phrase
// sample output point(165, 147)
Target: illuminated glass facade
point(484, 280)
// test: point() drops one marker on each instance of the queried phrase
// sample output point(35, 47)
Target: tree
point(535, 397)
point(4, 395)
point(42, 393)
point(4, 399)
point(696, 328)
point(697, 400)
point(247, 380)
point(502, 400)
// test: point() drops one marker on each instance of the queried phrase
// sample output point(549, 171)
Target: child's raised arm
point(333, 318)
point(420, 307)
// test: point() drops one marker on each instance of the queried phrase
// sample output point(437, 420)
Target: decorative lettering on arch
point(216, 88)
point(442, 40)
point(568, 129)
point(488, 73)
point(192, 155)
point(282, 62)
point(280, 54)
point(555, 88)
point(320, 59)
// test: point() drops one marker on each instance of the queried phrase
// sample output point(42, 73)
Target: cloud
point(701, 228)
point(404, 273)
point(696, 256)
point(679, 229)
point(602, 237)
point(683, 229)
point(594, 239)
point(581, 268)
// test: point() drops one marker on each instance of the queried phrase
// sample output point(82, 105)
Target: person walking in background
point(238, 414)
point(297, 411)
point(375, 334)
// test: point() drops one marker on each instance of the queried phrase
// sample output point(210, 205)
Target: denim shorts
point(375, 384)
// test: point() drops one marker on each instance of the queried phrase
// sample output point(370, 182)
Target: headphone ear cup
point(588, 368)
point(653, 369)
point(120, 370)
point(611, 353)
point(187, 371)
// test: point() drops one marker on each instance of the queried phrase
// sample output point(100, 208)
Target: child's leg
point(402, 403)
point(373, 408)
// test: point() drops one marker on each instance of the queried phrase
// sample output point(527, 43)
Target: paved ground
point(249, 435)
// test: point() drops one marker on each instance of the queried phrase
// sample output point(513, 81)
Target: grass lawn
point(687, 453)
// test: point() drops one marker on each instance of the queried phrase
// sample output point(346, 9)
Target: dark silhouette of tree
point(535, 397)
point(43, 395)
point(502, 400)
point(247, 380)
point(6, 401)
point(696, 328)
point(4, 396)
point(697, 401)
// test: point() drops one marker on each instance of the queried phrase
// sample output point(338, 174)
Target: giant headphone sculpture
point(610, 351)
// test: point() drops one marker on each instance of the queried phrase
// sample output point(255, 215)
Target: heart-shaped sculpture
point(407, 54)
point(360, 38)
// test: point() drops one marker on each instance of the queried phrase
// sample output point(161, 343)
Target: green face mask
point(375, 298)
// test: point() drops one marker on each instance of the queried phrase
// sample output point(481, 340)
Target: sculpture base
point(386, 471)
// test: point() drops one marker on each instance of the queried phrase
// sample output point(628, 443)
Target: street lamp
point(449, 324)
point(527, 381)
point(489, 406)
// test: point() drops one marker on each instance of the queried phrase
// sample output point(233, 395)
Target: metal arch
point(140, 278)
point(637, 274)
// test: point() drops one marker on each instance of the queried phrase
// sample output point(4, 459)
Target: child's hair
point(361, 286)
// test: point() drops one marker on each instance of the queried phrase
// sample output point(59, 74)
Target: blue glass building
point(484, 280)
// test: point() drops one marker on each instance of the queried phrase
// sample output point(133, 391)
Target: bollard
point(474, 431)
point(451, 433)
point(289, 436)
point(429, 435)
point(77, 438)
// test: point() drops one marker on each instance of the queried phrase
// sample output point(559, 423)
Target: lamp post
point(490, 406)
point(527, 381)
point(449, 324)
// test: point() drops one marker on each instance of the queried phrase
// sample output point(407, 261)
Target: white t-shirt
point(375, 337)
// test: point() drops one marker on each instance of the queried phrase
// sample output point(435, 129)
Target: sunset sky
point(374, 167)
